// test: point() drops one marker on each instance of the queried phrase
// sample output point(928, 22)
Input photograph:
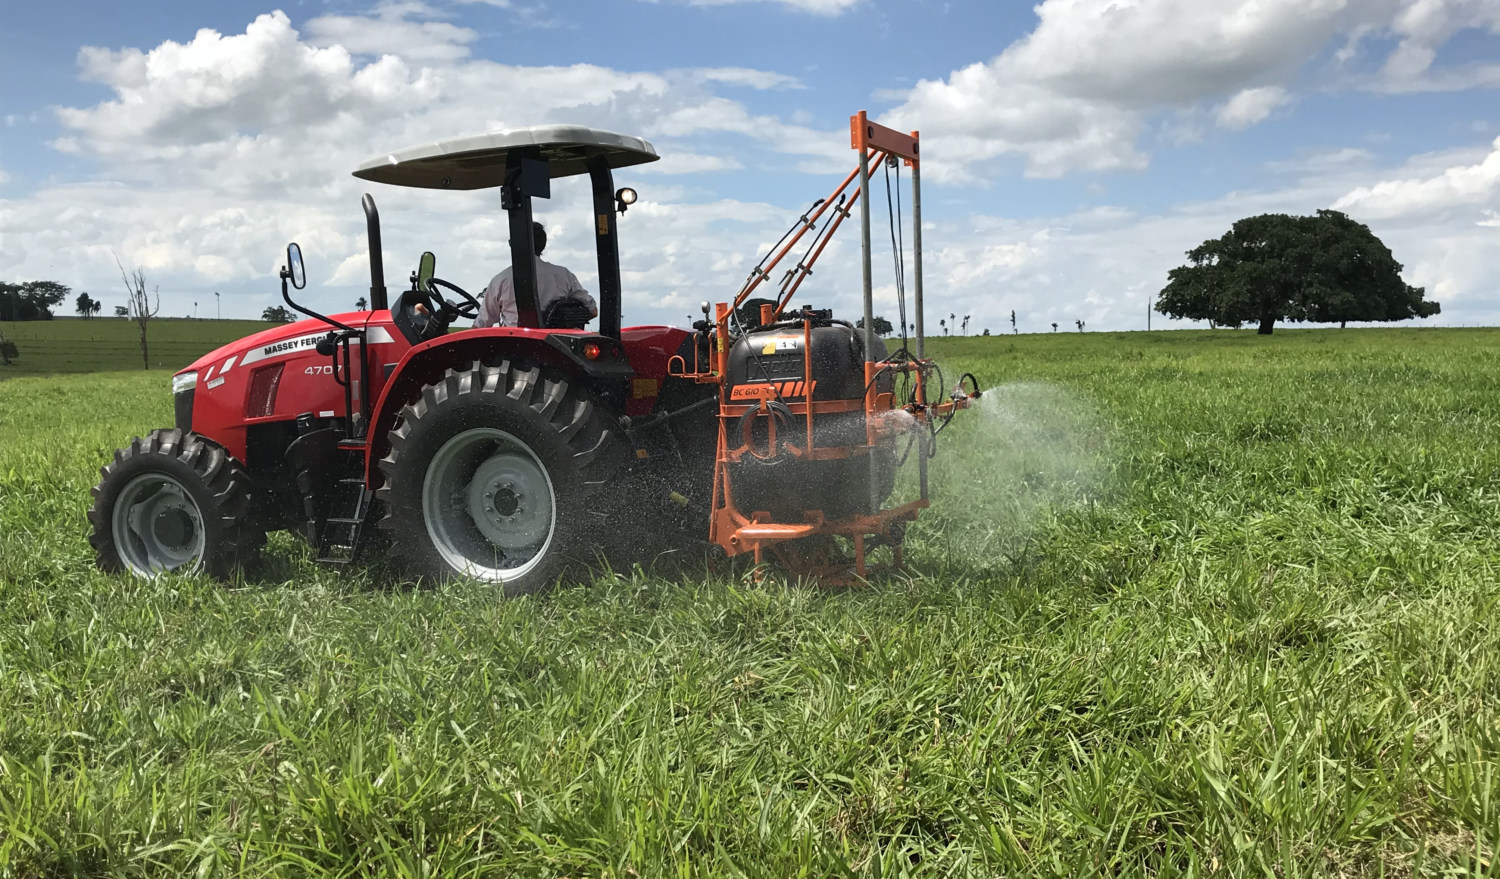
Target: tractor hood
point(282, 341)
point(279, 375)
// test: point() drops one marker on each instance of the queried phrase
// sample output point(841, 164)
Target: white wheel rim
point(157, 526)
point(489, 505)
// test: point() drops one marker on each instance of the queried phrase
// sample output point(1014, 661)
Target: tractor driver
point(553, 283)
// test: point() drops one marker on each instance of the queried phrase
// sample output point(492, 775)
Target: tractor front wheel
point(489, 473)
point(172, 502)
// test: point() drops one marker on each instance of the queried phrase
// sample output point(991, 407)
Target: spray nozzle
point(973, 393)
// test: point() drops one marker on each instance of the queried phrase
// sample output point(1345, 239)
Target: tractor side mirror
point(425, 270)
point(294, 265)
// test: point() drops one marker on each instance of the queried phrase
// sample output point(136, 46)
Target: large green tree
point(32, 300)
point(1324, 268)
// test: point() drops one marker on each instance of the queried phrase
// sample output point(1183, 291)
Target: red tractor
point(503, 453)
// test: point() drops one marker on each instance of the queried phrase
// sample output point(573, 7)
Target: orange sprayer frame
point(737, 531)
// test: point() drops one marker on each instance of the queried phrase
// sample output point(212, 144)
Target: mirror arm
point(286, 294)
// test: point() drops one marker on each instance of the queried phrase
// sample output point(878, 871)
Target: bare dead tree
point(140, 307)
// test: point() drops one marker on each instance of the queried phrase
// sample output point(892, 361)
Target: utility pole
point(218, 314)
point(1148, 314)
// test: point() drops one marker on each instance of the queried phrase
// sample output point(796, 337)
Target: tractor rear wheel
point(173, 502)
point(489, 474)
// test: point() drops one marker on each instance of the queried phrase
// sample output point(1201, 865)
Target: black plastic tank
point(785, 486)
point(775, 354)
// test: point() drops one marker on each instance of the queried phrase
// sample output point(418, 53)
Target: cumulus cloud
point(395, 28)
point(1471, 187)
point(1079, 91)
point(1250, 107)
point(1424, 26)
point(213, 153)
point(219, 149)
point(675, 161)
point(1105, 265)
point(756, 79)
point(1075, 94)
point(182, 95)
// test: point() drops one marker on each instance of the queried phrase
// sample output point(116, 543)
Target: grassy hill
point(1187, 603)
point(108, 344)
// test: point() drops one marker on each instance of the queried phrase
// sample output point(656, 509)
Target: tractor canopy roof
point(478, 161)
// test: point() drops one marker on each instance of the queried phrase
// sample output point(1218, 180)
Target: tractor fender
point(428, 362)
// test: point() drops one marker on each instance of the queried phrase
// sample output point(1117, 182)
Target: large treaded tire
point(216, 485)
point(541, 420)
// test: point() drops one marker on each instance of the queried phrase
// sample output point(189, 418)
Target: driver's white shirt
point(553, 282)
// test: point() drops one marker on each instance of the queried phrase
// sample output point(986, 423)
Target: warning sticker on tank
point(781, 343)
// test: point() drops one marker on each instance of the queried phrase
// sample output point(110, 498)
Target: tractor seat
point(567, 314)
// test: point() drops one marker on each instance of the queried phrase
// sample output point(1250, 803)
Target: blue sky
point(1074, 149)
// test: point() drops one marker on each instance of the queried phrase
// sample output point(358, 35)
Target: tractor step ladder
point(340, 537)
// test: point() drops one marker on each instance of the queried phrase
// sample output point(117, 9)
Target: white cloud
point(391, 31)
point(177, 97)
point(683, 162)
point(1079, 91)
point(1424, 26)
point(1104, 266)
point(212, 154)
point(1250, 107)
point(220, 149)
point(1472, 187)
point(1323, 162)
point(756, 79)
point(1075, 94)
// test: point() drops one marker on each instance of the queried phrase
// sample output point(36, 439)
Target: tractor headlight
point(184, 386)
point(624, 198)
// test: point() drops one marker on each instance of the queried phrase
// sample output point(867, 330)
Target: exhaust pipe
point(378, 300)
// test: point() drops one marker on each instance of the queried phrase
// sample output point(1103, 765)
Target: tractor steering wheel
point(468, 308)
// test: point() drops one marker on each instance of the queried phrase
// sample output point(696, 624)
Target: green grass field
point(101, 343)
point(1189, 603)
